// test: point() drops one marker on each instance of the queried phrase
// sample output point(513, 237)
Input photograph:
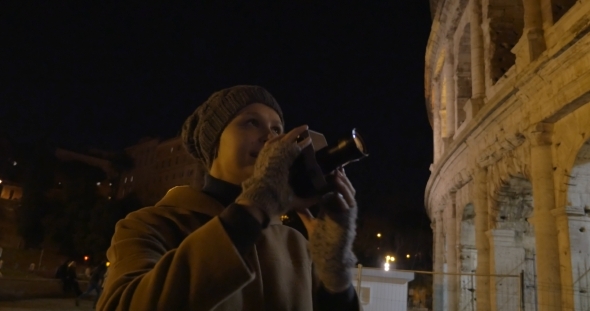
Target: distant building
point(11, 188)
point(159, 166)
point(508, 95)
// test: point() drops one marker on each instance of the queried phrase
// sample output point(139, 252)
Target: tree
point(38, 165)
point(79, 198)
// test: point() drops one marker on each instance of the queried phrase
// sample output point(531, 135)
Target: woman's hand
point(268, 188)
point(332, 235)
point(338, 201)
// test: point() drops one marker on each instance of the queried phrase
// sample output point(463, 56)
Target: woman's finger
point(275, 138)
point(294, 133)
point(345, 191)
point(347, 183)
point(304, 143)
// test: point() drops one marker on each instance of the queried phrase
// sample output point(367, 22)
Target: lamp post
point(388, 259)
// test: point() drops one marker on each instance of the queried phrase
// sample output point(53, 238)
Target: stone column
point(478, 81)
point(480, 202)
point(533, 28)
point(546, 245)
point(547, 14)
point(438, 286)
point(451, 243)
point(449, 92)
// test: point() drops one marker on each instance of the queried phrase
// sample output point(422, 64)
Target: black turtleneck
point(241, 227)
point(243, 230)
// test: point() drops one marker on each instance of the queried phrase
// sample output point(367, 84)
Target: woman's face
point(241, 141)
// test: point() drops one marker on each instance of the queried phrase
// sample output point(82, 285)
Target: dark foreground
point(62, 304)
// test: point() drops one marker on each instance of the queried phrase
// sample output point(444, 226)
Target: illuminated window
point(125, 180)
point(131, 180)
point(171, 149)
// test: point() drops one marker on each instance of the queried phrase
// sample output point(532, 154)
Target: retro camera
point(309, 171)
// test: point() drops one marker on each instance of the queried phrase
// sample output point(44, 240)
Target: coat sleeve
point(145, 274)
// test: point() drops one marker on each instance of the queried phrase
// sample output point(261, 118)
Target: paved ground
point(65, 304)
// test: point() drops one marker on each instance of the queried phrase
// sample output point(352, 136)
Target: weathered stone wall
point(509, 190)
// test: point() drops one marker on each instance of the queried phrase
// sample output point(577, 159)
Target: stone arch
point(513, 244)
point(463, 85)
point(560, 7)
point(506, 23)
point(578, 211)
point(468, 258)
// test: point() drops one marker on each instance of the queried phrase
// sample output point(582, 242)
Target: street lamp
point(378, 235)
point(408, 256)
point(386, 265)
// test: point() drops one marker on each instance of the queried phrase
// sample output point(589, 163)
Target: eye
point(253, 122)
point(277, 130)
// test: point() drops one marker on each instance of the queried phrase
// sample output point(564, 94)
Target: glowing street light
point(408, 256)
point(85, 258)
point(386, 265)
point(378, 235)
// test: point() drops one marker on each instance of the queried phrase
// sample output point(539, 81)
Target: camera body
point(308, 173)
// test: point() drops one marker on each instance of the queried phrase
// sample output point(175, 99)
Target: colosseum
point(507, 85)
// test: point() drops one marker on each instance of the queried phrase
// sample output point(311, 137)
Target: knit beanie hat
point(201, 130)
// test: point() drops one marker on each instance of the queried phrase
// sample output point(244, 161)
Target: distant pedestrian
point(60, 272)
point(70, 280)
point(95, 283)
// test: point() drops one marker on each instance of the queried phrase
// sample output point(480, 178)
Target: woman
point(223, 247)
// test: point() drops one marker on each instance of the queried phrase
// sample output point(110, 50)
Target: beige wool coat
point(176, 255)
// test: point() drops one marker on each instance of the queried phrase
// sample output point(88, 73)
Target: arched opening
point(468, 257)
point(578, 211)
point(506, 23)
point(513, 241)
point(560, 7)
point(463, 74)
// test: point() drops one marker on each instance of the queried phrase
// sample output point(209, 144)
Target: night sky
point(91, 74)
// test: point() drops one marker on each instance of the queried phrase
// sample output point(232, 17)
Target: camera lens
point(350, 148)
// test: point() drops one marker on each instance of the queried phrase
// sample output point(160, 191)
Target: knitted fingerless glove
point(330, 246)
point(269, 184)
